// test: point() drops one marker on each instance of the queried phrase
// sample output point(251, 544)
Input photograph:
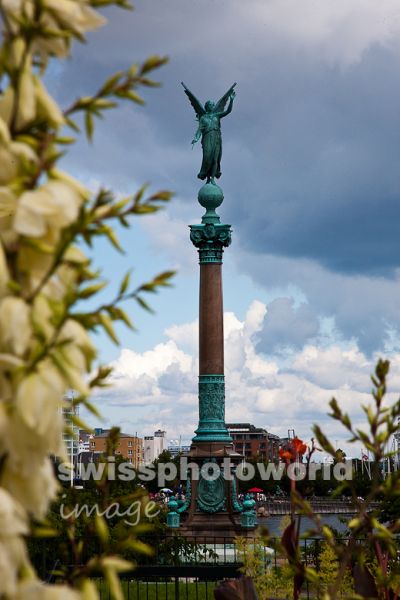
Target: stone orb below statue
point(210, 196)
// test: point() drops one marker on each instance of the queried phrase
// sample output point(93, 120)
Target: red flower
point(286, 455)
point(293, 450)
point(299, 446)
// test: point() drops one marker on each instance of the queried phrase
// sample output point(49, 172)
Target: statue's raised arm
point(209, 130)
point(220, 105)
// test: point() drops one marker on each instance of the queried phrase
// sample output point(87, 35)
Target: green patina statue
point(209, 130)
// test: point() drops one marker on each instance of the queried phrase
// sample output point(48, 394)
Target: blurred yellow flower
point(54, 204)
point(47, 108)
point(37, 590)
point(15, 327)
point(39, 397)
point(76, 16)
point(4, 275)
point(13, 523)
point(33, 493)
point(26, 110)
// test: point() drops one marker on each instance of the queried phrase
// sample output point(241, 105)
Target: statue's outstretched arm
point(229, 109)
point(197, 135)
point(220, 105)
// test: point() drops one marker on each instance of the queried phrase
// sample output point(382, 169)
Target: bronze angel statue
point(209, 130)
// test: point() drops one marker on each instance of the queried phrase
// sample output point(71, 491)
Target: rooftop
point(121, 435)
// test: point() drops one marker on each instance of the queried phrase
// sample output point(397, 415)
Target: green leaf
point(140, 547)
point(125, 283)
point(14, 286)
point(39, 245)
point(162, 196)
point(153, 62)
point(102, 103)
point(101, 375)
point(144, 209)
point(115, 562)
point(125, 318)
point(149, 82)
point(109, 85)
point(114, 583)
point(108, 327)
point(143, 304)
point(101, 528)
point(92, 289)
point(113, 238)
point(140, 193)
point(131, 95)
point(44, 532)
point(163, 279)
point(91, 408)
point(72, 124)
point(89, 125)
point(81, 424)
point(323, 440)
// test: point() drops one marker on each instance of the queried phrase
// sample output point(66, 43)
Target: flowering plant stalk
point(46, 218)
point(294, 452)
point(368, 558)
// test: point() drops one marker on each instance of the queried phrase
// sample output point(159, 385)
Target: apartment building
point(250, 441)
point(129, 447)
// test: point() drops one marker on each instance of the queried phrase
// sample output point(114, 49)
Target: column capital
point(210, 239)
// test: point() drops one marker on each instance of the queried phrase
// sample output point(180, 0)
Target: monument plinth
point(212, 508)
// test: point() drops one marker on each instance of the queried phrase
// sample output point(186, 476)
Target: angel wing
point(220, 105)
point(197, 105)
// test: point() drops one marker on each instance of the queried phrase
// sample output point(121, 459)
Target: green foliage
point(369, 542)
point(47, 219)
point(76, 532)
point(270, 580)
point(327, 574)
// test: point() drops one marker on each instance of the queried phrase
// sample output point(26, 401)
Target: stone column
point(210, 237)
point(212, 508)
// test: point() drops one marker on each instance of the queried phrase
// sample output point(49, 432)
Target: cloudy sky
point(311, 177)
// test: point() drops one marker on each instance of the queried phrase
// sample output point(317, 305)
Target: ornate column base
point(212, 426)
point(212, 511)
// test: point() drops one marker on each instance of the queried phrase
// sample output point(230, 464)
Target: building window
point(129, 451)
point(129, 443)
point(93, 444)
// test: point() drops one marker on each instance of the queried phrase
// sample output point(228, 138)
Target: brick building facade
point(129, 447)
point(251, 442)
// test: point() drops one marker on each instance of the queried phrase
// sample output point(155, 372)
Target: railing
point(172, 583)
point(319, 505)
point(190, 569)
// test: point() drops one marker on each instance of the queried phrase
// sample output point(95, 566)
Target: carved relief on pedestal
point(211, 493)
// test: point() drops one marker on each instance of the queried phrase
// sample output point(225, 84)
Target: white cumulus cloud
point(158, 388)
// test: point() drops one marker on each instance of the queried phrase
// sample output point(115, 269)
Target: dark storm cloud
point(328, 178)
point(287, 326)
point(363, 308)
point(311, 151)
